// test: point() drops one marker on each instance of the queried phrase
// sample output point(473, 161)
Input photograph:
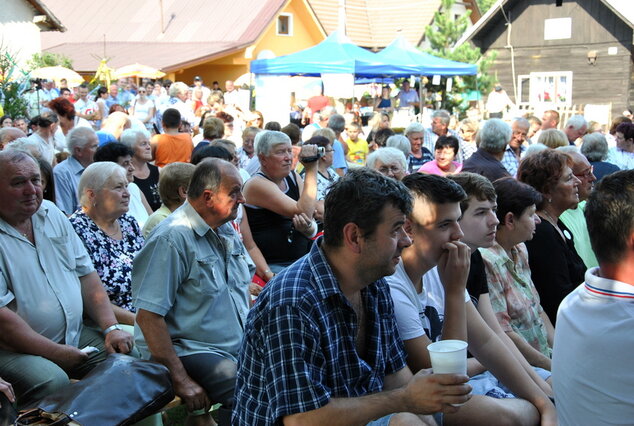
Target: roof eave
point(206, 58)
point(468, 35)
point(55, 23)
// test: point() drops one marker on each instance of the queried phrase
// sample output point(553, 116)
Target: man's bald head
point(8, 134)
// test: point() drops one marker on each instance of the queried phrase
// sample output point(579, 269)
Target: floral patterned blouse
point(513, 295)
point(112, 258)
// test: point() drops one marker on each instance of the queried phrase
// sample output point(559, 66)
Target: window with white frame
point(285, 24)
point(549, 87)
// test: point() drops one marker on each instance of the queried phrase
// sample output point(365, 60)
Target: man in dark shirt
point(492, 140)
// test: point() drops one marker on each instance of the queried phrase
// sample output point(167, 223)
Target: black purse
point(122, 390)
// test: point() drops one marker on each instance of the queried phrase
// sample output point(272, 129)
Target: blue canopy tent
point(403, 55)
point(336, 54)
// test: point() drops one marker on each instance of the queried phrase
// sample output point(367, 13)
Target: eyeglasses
point(587, 174)
point(394, 169)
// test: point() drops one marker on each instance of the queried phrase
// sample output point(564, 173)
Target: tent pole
point(420, 98)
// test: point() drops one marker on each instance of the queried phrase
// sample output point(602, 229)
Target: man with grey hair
point(190, 285)
point(8, 134)
point(439, 127)
point(574, 219)
point(492, 140)
point(515, 149)
point(177, 98)
point(419, 154)
point(575, 128)
point(82, 143)
point(48, 284)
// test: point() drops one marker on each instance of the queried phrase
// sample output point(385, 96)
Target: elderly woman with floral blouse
point(111, 236)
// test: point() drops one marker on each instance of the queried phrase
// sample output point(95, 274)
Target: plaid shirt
point(510, 161)
point(299, 348)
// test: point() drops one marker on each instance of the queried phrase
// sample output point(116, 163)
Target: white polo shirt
point(593, 369)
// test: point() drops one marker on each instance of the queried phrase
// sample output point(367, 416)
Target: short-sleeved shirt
point(198, 280)
point(575, 221)
point(477, 279)
point(415, 163)
point(404, 98)
point(299, 347)
point(40, 282)
point(357, 151)
point(67, 175)
point(592, 358)
point(155, 218)
point(514, 298)
point(172, 148)
point(510, 161)
point(418, 313)
point(112, 258)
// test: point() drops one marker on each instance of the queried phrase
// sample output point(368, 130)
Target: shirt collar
point(199, 226)
point(501, 256)
point(607, 289)
point(74, 165)
point(37, 219)
point(324, 278)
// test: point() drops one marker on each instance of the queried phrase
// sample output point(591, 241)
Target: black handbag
point(120, 391)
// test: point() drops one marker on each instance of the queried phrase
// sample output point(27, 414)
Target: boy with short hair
point(431, 303)
point(357, 147)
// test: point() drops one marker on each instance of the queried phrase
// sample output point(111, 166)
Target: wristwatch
point(113, 327)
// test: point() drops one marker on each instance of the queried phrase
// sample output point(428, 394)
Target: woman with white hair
point(389, 162)
point(279, 204)
point(399, 142)
point(146, 175)
point(111, 236)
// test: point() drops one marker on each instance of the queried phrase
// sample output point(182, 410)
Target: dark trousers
point(217, 375)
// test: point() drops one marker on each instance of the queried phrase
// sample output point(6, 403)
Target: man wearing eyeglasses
point(574, 219)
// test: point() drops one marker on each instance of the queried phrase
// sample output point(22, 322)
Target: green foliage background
point(443, 34)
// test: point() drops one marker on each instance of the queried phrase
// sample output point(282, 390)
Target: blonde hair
point(553, 138)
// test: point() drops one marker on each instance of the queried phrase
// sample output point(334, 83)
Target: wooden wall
point(594, 27)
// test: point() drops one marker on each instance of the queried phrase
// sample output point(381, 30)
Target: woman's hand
point(304, 224)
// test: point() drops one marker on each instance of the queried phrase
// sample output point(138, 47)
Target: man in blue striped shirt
point(321, 344)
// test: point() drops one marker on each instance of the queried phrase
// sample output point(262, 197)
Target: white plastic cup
point(448, 357)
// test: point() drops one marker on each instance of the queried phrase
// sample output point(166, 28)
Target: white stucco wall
point(18, 33)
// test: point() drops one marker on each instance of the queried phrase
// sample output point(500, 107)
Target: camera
point(321, 151)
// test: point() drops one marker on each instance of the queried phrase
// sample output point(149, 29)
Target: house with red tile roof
point(214, 39)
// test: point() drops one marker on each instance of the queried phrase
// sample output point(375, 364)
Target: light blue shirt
point(67, 175)
point(198, 280)
point(40, 282)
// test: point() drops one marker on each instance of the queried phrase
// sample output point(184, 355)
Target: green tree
point(442, 34)
point(485, 5)
point(11, 87)
point(48, 59)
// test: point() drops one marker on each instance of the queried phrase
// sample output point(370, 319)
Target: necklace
point(118, 228)
point(553, 222)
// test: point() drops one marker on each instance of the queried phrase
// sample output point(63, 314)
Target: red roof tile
point(193, 30)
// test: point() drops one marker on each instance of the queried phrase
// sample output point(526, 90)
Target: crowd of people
point(297, 276)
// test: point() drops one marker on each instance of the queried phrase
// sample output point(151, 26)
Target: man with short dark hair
point(595, 321)
point(190, 284)
point(321, 344)
point(171, 146)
